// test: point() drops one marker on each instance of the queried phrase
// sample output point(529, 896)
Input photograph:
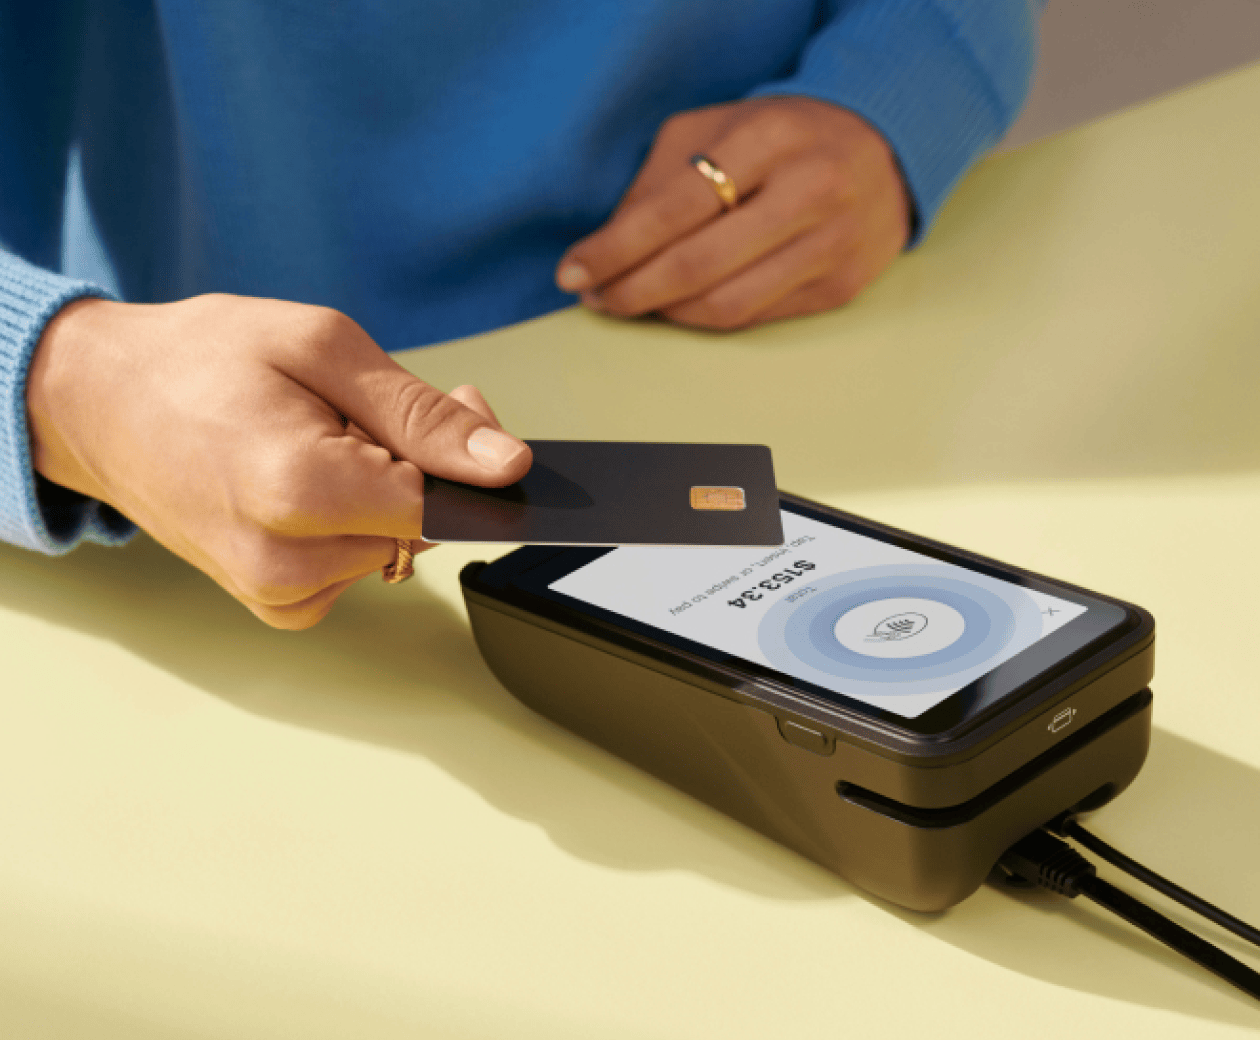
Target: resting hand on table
point(822, 212)
point(215, 423)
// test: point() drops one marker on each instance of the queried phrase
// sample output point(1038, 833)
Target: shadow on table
point(398, 668)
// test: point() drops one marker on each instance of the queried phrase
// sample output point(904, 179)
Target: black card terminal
point(895, 709)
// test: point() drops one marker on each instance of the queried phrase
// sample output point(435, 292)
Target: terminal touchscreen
point(910, 632)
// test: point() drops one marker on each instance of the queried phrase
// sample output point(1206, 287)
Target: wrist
point(53, 381)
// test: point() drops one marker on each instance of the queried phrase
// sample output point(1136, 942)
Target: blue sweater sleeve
point(941, 80)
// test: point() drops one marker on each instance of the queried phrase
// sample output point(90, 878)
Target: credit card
point(617, 493)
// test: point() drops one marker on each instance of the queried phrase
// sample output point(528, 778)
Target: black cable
point(1116, 858)
point(1170, 933)
point(1052, 863)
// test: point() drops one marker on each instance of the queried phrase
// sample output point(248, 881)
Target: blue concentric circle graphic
point(798, 636)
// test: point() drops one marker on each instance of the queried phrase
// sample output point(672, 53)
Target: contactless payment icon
point(898, 630)
point(899, 627)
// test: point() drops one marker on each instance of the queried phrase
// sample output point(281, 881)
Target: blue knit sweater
point(418, 165)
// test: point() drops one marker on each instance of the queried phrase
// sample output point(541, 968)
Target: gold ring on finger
point(715, 175)
point(401, 569)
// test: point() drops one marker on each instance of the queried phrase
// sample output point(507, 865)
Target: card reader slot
point(952, 816)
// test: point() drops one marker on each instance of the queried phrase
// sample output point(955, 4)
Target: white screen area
point(869, 620)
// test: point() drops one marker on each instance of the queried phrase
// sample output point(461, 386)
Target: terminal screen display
point(858, 616)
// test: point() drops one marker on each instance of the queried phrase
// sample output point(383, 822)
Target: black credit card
point(617, 493)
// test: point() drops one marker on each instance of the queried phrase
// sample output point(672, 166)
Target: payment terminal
point(897, 710)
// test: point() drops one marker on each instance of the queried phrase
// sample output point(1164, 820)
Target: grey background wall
point(1098, 56)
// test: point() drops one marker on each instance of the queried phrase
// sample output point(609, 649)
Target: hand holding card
point(617, 493)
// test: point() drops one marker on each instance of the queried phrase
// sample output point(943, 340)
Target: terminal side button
point(804, 737)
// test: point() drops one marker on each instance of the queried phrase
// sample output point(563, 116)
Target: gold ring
point(401, 569)
point(722, 184)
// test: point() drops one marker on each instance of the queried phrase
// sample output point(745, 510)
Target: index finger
point(636, 233)
point(439, 433)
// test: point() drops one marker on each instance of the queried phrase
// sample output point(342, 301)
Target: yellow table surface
point(212, 829)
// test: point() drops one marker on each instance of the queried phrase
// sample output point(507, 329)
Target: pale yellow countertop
point(211, 829)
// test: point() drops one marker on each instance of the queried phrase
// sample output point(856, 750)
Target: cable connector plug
point(1047, 861)
point(1044, 860)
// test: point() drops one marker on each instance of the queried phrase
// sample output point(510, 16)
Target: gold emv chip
point(725, 498)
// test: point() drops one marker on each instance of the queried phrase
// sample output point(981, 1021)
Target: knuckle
point(842, 288)
point(727, 312)
point(824, 181)
point(624, 300)
point(686, 268)
point(679, 122)
point(333, 323)
point(276, 495)
point(721, 313)
point(313, 334)
point(658, 219)
point(266, 572)
point(833, 246)
point(817, 298)
point(780, 128)
point(322, 328)
point(670, 128)
point(849, 289)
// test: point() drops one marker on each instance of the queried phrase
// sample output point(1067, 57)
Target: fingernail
point(493, 448)
point(573, 277)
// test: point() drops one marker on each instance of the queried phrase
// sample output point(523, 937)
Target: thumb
point(436, 432)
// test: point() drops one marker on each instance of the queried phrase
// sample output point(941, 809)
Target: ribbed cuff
point(942, 82)
point(34, 512)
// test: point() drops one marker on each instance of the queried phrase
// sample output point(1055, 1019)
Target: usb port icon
point(1064, 718)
